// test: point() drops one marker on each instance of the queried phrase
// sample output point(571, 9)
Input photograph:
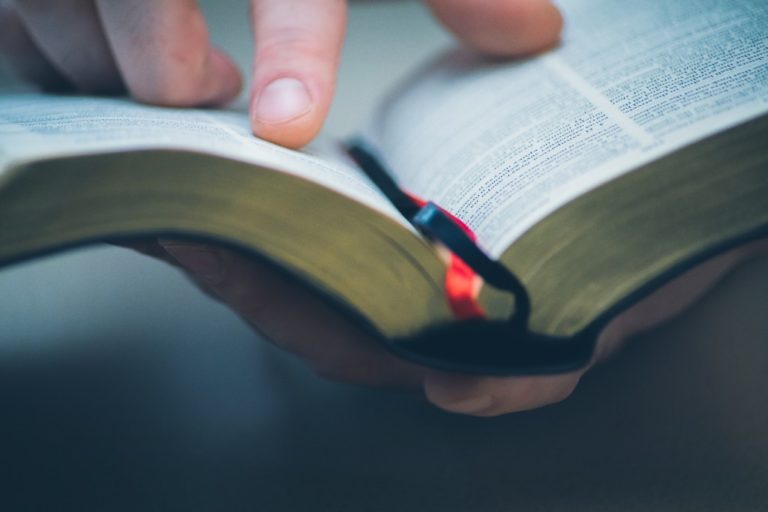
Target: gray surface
point(123, 388)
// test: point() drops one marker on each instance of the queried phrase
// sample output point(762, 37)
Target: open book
point(592, 174)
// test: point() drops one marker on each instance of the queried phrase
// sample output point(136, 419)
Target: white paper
point(502, 146)
point(37, 126)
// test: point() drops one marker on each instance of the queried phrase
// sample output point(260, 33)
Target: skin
point(160, 53)
point(338, 350)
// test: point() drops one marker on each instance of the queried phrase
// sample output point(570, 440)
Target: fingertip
point(298, 45)
point(230, 81)
point(214, 82)
point(511, 28)
point(550, 22)
point(494, 396)
point(285, 111)
point(460, 394)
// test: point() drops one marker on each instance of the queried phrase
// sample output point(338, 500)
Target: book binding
point(474, 344)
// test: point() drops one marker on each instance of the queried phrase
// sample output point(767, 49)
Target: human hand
point(297, 320)
point(160, 51)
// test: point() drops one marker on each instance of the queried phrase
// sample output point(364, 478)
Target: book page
point(503, 145)
point(38, 126)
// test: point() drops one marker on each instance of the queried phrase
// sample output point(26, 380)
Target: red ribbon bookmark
point(462, 284)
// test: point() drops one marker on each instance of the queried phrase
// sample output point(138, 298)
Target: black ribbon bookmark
point(432, 222)
point(474, 346)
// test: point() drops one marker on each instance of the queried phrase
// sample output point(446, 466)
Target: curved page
point(40, 127)
point(503, 146)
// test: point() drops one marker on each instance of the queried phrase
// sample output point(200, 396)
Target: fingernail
point(474, 405)
point(201, 261)
point(281, 101)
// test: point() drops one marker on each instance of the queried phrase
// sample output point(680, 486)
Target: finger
point(672, 299)
point(153, 249)
point(508, 28)
point(492, 396)
point(164, 53)
point(293, 318)
point(69, 34)
point(148, 247)
point(298, 43)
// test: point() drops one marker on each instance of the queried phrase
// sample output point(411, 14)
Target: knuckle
point(176, 79)
point(166, 88)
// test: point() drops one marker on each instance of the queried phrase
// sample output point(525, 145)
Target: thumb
point(298, 43)
point(510, 28)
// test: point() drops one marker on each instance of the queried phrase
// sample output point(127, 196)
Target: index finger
point(298, 43)
point(283, 311)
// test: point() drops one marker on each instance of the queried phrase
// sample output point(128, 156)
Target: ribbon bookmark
point(462, 283)
point(468, 265)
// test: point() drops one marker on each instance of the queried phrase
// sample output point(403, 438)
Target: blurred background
point(122, 387)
